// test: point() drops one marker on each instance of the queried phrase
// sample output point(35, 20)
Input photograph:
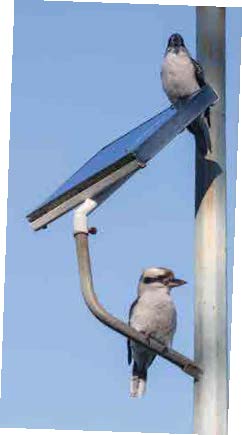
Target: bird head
point(160, 277)
point(175, 41)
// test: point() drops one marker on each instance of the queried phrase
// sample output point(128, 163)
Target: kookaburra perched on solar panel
point(153, 313)
point(181, 76)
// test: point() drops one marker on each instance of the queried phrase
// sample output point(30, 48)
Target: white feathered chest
point(155, 313)
point(178, 75)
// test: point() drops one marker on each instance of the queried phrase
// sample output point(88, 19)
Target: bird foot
point(147, 335)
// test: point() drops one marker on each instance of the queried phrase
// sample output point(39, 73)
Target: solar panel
point(121, 158)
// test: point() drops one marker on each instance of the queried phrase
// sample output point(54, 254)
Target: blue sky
point(84, 74)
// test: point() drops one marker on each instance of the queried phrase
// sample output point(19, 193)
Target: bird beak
point(177, 282)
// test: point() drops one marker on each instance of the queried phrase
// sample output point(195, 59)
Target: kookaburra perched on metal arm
point(153, 313)
point(181, 76)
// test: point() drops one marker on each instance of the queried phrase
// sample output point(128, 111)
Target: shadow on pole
point(208, 171)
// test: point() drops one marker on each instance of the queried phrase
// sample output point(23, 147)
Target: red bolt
point(92, 230)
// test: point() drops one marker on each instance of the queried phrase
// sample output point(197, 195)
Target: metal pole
point(90, 297)
point(210, 392)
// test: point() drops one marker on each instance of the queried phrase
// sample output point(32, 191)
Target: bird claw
point(147, 336)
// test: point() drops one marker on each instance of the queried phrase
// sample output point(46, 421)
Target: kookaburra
point(181, 76)
point(153, 313)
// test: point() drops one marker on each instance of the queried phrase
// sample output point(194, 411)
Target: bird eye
point(147, 280)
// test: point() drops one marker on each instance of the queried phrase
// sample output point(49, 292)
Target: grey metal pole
point(211, 391)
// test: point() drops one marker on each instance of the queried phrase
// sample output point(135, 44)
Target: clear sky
point(84, 74)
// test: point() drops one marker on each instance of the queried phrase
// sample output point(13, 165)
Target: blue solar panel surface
point(141, 143)
point(115, 151)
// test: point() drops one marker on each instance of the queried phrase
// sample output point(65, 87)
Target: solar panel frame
point(138, 146)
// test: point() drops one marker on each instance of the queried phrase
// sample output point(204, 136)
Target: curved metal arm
point(187, 365)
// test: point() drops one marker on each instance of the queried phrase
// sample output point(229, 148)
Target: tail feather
point(207, 116)
point(138, 382)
